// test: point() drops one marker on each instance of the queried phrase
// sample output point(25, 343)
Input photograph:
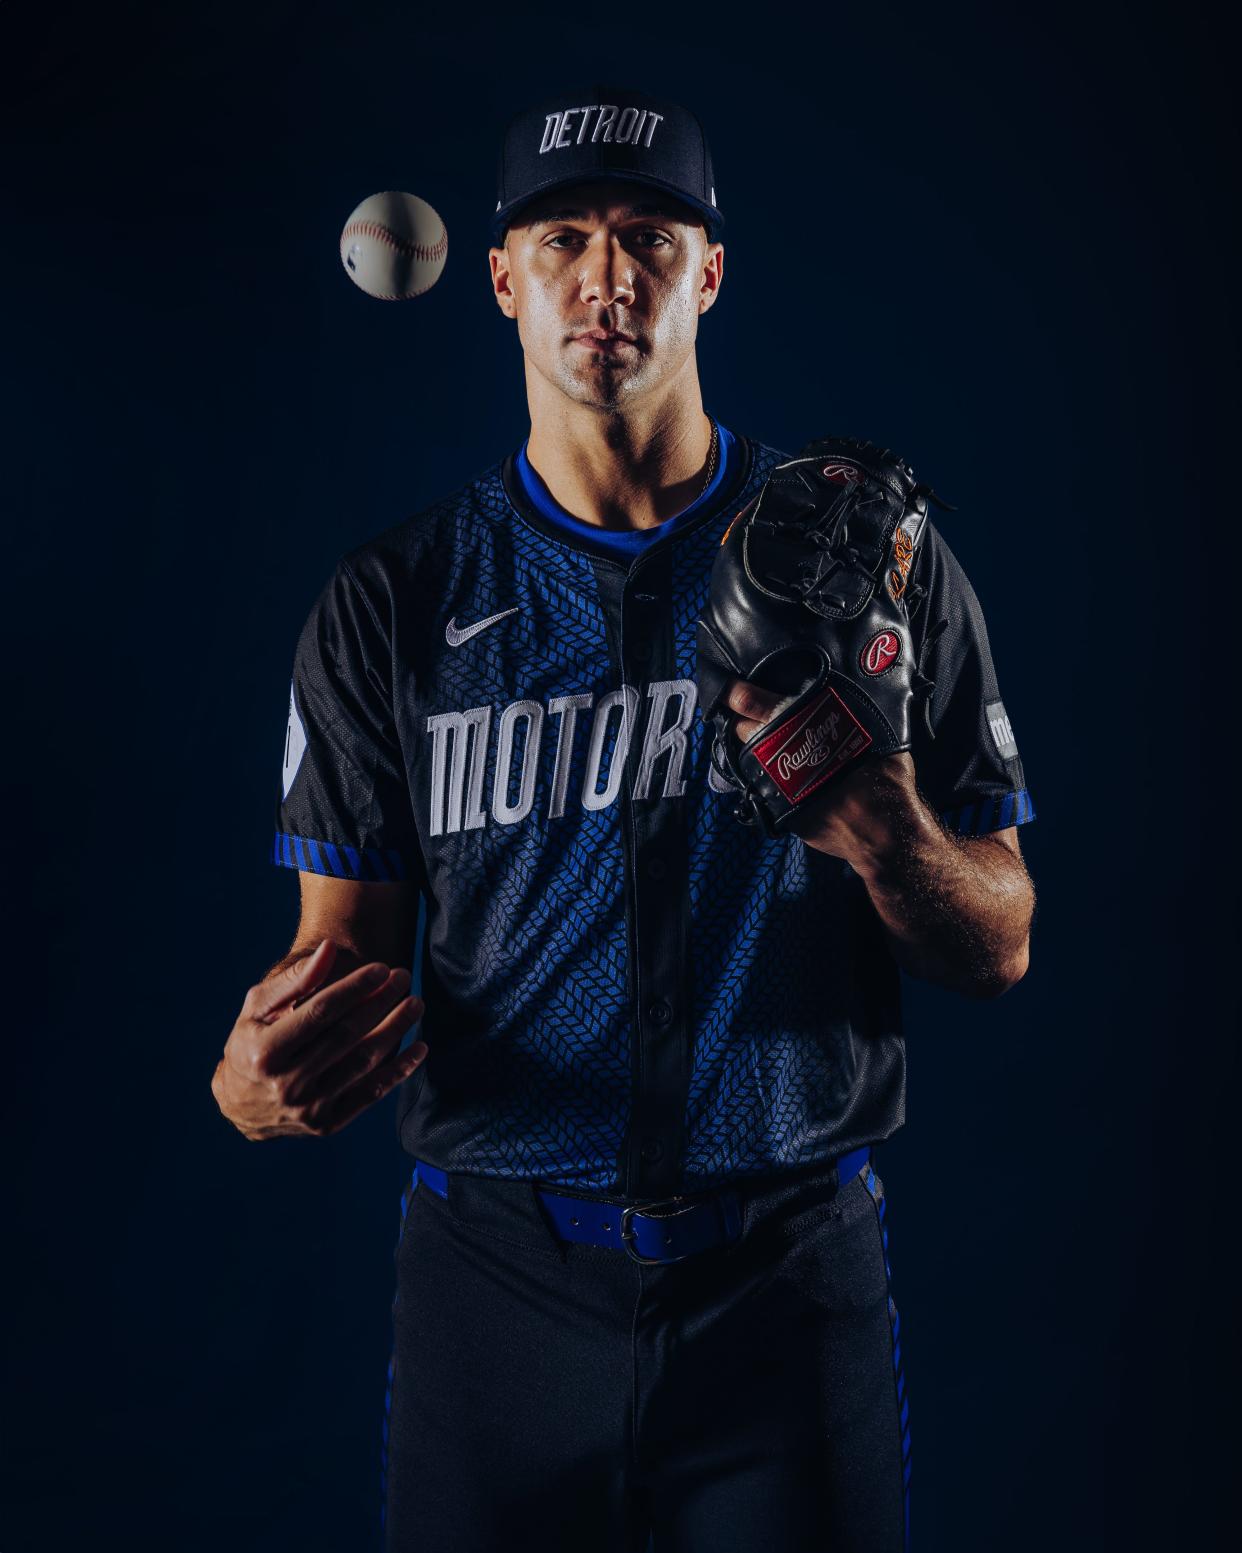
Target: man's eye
point(645, 233)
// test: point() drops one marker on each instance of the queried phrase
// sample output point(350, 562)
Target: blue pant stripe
point(406, 1194)
point(873, 1186)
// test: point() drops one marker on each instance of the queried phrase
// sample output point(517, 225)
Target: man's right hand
point(308, 1054)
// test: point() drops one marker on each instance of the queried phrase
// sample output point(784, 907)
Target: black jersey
point(626, 990)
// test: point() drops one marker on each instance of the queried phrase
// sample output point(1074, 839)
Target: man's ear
point(498, 263)
point(713, 274)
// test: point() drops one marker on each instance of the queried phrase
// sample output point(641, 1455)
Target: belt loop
point(732, 1212)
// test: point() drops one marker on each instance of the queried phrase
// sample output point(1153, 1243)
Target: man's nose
point(607, 272)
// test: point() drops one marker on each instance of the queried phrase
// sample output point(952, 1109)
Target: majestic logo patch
point(823, 737)
point(842, 474)
point(999, 727)
point(455, 637)
point(903, 556)
point(880, 653)
point(295, 746)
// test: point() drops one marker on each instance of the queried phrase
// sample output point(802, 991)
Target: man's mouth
point(603, 340)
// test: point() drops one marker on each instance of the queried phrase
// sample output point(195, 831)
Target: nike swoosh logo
point(455, 638)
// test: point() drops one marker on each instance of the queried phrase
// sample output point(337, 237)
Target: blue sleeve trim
point(342, 862)
point(988, 814)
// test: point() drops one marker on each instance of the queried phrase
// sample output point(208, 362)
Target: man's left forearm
point(957, 910)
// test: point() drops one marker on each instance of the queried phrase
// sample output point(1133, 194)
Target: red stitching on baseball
point(401, 244)
point(388, 296)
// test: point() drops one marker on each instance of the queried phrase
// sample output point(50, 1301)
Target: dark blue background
point(992, 241)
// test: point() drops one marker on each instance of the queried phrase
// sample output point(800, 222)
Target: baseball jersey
point(627, 990)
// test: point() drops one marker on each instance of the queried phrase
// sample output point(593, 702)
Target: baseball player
point(642, 1279)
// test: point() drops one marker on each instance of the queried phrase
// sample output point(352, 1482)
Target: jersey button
point(641, 650)
point(660, 1013)
point(653, 1149)
point(656, 868)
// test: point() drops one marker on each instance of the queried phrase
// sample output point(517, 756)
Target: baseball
point(393, 246)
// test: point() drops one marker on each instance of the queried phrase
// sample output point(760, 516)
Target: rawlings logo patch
point(903, 557)
point(842, 474)
point(880, 653)
point(823, 737)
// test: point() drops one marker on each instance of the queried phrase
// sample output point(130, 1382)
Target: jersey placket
point(638, 612)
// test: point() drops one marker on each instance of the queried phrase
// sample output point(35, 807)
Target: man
point(642, 1286)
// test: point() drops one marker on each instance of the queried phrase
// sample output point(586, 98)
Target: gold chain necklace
point(711, 462)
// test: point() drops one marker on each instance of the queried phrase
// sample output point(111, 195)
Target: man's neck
point(622, 470)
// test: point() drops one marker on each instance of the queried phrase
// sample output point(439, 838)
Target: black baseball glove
point(812, 598)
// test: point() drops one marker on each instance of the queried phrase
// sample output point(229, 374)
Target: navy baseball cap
point(605, 132)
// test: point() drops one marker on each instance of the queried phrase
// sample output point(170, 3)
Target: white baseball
point(394, 246)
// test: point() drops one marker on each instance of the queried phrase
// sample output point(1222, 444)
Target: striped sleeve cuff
point(988, 814)
point(326, 857)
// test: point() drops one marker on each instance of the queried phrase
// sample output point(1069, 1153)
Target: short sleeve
point(970, 772)
point(344, 804)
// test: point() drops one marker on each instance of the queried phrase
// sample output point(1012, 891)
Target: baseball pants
point(747, 1399)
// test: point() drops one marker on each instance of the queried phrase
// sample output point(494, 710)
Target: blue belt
point(642, 1229)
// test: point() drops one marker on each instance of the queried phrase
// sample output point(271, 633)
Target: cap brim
point(712, 218)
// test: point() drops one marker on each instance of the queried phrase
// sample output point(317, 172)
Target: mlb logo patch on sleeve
point(295, 746)
point(1002, 733)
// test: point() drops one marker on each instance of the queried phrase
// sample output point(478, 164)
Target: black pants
point(749, 1399)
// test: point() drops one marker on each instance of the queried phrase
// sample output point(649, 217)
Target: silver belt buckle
point(627, 1233)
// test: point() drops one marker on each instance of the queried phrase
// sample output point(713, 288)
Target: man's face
point(614, 257)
